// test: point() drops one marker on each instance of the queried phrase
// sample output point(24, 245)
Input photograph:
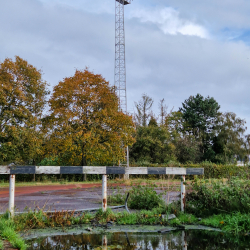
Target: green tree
point(229, 141)
point(247, 146)
point(22, 101)
point(200, 115)
point(85, 125)
point(153, 144)
point(187, 148)
point(176, 125)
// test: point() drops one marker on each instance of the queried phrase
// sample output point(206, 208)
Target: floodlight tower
point(120, 66)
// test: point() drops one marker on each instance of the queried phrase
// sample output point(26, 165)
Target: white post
point(184, 241)
point(104, 192)
point(126, 176)
point(183, 193)
point(11, 195)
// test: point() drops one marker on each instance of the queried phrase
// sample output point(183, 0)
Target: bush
point(141, 197)
point(144, 197)
point(213, 197)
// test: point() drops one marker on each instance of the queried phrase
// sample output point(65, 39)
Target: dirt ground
point(63, 197)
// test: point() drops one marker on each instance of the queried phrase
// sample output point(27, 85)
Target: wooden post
point(11, 195)
point(104, 192)
point(183, 193)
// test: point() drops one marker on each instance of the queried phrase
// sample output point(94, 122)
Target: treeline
point(197, 132)
point(80, 123)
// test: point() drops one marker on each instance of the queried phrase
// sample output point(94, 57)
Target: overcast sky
point(174, 48)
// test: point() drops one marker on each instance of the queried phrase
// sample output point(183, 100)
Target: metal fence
point(103, 170)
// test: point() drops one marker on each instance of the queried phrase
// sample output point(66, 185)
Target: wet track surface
point(61, 197)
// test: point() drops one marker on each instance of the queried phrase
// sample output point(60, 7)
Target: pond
point(190, 239)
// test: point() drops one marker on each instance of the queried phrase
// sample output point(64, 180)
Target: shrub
point(144, 197)
point(214, 196)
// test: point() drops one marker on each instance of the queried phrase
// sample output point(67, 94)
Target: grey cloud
point(58, 39)
point(175, 67)
point(218, 14)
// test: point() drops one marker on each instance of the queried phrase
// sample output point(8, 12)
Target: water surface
point(179, 240)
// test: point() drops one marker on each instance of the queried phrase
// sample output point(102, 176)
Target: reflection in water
point(104, 242)
point(145, 241)
point(184, 240)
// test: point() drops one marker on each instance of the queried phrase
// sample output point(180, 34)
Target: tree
point(229, 140)
point(22, 101)
point(175, 124)
point(247, 146)
point(153, 144)
point(152, 122)
point(143, 108)
point(187, 148)
point(85, 124)
point(200, 114)
point(163, 111)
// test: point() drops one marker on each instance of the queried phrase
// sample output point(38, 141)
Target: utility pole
point(120, 65)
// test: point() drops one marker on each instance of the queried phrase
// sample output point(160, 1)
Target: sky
point(174, 48)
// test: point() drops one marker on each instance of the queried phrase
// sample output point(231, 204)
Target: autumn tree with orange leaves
point(22, 101)
point(85, 125)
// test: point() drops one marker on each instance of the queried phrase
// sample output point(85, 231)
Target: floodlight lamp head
point(124, 2)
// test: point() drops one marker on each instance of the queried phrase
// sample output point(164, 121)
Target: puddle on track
point(180, 240)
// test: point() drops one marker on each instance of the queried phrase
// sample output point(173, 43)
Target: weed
point(117, 197)
point(104, 217)
point(40, 219)
point(234, 223)
point(174, 208)
point(7, 231)
point(141, 197)
point(216, 196)
point(127, 219)
point(214, 221)
point(143, 217)
point(187, 218)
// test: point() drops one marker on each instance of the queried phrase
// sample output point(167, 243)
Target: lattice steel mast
point(120, 65)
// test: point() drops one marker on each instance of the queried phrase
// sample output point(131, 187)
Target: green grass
point(1, 244)
point(7, 231)
point(234, 223)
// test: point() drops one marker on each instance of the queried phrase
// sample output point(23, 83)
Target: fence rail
point(103, 170)
point(98, 170)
